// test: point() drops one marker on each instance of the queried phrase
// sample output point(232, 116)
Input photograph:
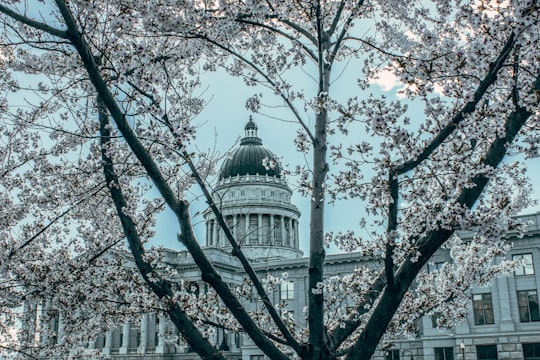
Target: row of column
point(51, 331)
point(42, 325)
point(144, 340)
point(278, 230)
point(45, 327)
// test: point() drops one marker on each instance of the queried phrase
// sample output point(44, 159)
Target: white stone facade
point(259, 213)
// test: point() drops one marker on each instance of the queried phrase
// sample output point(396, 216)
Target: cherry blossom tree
point(114, 89)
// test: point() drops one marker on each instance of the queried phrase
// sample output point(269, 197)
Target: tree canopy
point(97, 118)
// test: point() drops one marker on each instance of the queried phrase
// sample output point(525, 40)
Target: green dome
point(248, 158)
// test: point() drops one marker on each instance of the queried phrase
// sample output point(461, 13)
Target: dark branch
point(32, 23)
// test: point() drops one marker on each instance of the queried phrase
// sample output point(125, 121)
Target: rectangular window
point(392, 355)
point(528, 306)
point(486, 352)
point(444, 353)
point(531, 351)
point(156, 334)
point(55, 325)
point(435, 320)
point(483, 309)
point(287, 290)
point(289, 315)
point(435, 266)
point(253, 295)
point(256, 357)
point(526, 268)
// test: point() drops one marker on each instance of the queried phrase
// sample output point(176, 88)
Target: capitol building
point(503, 321)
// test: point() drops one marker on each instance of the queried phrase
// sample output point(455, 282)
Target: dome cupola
point(249, 158)
point(255, 202)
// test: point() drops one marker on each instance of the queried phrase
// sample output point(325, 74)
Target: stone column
point(124, 346)
point(293, 234)
point(259, 229)
point(208, 234)
point(234, 229)
point(272, 230)
point(60, 334)
point(215, 233)
point(33, 321)
point(161, 346)
point(44, 323)
point(507, 324)
point(144, 334)
point(297, 236)
point(222, 237)
point(290, 236)
point(108, 343)
point(29, 323)
point(248, 234)
point(283, 234)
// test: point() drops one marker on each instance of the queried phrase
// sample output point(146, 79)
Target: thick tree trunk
point(319, 348)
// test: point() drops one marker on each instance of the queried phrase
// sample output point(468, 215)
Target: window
point(287, 290)
point(256, 357)
point(526, 268)
point(54, 324)
point(435, 320)
point(444, 353)
point(531, 351)
point(435, 266)
point(351, 310)
point(242, 192)
point(486, 352)
point(528, 306)
point(156, 334)
point(252, 293)
point(289, 315)
point(483, 309)
point(392, 355)
point(232, 194)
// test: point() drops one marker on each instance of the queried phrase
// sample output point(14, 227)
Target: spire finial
point(251, 128)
